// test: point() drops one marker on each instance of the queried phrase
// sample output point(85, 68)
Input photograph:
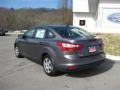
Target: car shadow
point(104, 67)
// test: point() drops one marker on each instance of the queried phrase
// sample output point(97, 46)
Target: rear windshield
point(72, 32)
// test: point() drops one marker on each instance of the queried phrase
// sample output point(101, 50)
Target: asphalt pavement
point(24, 74)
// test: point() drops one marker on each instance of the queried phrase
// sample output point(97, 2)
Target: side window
point(29, 34)
point(40, 33)
point(50, 35)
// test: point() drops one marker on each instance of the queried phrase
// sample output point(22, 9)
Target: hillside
point(17, 19)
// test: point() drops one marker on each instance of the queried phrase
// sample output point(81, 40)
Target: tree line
point(23, 18)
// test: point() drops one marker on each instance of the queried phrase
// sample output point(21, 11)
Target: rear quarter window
point(50, 34)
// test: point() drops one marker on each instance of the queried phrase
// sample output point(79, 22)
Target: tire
point(17, 52)
point(48, 66)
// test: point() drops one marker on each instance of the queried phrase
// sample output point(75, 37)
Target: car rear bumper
point(81, 63)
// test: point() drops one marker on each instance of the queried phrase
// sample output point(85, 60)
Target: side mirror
point(21, 36)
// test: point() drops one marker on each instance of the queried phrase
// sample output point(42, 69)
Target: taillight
point(68, 46)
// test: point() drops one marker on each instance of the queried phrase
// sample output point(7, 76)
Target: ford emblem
point(115, 18)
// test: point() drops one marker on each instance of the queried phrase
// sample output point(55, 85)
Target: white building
point(97, 15)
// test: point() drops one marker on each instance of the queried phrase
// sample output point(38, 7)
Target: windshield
point(72, 32)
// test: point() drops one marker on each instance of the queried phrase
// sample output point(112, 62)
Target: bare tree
point(65, 7)
point(71, 12)
point(18, 19)
point(3, 14)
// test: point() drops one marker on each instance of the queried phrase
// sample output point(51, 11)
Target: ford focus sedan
point(60, 48)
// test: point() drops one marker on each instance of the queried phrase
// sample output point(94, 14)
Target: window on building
point(82, 22)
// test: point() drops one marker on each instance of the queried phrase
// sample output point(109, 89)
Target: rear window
point(72, 32)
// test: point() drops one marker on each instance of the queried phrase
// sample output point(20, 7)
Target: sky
point(29, 3)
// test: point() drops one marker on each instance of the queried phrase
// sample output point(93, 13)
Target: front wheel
point(17, 52)
point(48, 66)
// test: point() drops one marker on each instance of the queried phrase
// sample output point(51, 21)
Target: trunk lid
point(92, 46)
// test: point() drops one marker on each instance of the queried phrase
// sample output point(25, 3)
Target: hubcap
point(47, 65)
point(16, 51)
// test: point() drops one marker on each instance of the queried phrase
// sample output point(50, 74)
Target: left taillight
point(68, 46)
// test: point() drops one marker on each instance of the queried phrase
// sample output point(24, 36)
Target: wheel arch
point(42, 57)
point(48, 51)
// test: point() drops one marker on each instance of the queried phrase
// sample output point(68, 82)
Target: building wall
point(97, 14)
point(88, 13)
point(80, 6)
point(88, 17)
point(108, 8)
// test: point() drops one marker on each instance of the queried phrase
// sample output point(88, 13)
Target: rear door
point(38, 43)
point(43, 39)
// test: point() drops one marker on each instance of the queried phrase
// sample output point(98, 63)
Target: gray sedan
point(60, 48)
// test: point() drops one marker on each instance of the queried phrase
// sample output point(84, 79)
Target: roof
point(52, 26)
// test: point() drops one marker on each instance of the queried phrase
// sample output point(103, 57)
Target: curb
point(114, 58)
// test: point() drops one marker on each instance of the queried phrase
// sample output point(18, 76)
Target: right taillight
point(68, 46)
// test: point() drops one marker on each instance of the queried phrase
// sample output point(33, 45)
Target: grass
point(112, 43)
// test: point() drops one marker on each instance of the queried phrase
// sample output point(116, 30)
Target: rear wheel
point(17, 52)
point(48, 66)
